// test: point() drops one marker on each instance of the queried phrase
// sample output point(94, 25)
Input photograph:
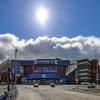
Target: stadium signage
point(45, 61)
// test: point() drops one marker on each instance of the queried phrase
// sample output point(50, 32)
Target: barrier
point(4, 97)
point(11, 94)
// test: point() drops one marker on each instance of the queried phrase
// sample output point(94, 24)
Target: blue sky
point(66, 18)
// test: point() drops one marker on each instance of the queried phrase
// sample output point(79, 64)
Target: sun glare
point(42, 15)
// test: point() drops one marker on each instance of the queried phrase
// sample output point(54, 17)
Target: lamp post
point(15, 63)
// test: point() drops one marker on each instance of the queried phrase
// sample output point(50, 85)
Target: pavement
point(3, 88)
point(85, 89)
point(43, 92)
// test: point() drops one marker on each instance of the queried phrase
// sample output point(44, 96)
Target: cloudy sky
point(45, 47)
point(68, 29)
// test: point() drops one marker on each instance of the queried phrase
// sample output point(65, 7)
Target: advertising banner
point(44, 61)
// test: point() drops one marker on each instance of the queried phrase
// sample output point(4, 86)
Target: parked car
point(3, 83)
point(92, 85)
point(36, 84)
point(52, 84)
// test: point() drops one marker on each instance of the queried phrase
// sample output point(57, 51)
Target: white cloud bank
point(44, 47)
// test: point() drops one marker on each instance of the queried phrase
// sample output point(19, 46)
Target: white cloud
point(45, 47)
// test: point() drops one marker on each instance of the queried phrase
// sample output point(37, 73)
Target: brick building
point(94, 70)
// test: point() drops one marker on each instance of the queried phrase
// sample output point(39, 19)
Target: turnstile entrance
point(43, 81)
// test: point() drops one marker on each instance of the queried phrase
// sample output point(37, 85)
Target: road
point(28, 92)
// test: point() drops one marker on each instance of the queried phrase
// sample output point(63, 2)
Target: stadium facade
point(44, 71)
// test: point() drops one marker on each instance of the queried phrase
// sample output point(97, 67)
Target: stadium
point(44, 71)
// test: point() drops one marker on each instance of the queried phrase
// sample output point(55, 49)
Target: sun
point(42, 15)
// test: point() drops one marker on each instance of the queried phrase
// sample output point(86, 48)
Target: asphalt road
point(28, 92)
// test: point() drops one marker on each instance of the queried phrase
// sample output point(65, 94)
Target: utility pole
point(15, 63)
